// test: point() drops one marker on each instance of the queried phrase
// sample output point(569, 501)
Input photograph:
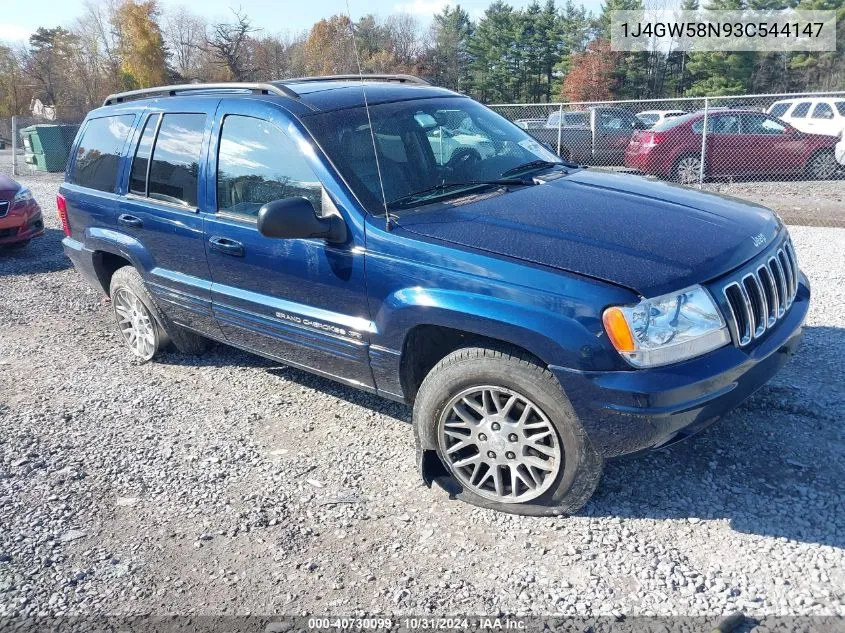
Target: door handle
point(130, 220)
point(226, 246)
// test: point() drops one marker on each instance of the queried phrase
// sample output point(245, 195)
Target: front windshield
point(424, 145)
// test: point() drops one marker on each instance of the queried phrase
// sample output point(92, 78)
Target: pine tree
point(449, 57)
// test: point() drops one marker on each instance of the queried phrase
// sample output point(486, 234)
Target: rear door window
point(801, 110)
point(98, 155)
point(724, 124)
point(176, 157)
point(761, 124)
point(140, 164)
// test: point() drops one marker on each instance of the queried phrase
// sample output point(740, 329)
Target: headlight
point(23, 195)
point(666, 329)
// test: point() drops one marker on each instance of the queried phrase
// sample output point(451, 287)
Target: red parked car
point(20, 215)
point(739, 143)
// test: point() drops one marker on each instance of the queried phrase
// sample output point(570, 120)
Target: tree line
point(543, 52)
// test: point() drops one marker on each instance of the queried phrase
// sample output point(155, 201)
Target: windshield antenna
point(369, 120)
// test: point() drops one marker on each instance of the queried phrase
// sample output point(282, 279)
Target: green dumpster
point(47, 147)
point(42, 139)
point(51, 161)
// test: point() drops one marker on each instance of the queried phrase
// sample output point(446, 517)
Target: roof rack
point(172, 91)
point(402, 79)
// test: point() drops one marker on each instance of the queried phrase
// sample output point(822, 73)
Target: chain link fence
point(35, 147)
point(783, 150)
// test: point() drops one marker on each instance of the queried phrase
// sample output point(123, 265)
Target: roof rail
point(172, 91)
point(403, 79)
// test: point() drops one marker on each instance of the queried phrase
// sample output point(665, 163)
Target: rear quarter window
point(668, 124)
point(98, 155)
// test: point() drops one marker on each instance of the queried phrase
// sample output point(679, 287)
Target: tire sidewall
point(129, 280)
point(814, 165)
point(677, 170)
point(525, 379)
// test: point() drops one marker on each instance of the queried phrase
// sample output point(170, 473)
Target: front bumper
point(629, 411)
point(21, 224)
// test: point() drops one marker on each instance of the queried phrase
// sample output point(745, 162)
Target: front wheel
point(506, 433)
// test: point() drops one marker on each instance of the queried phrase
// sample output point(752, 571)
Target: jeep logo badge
point(759, 240)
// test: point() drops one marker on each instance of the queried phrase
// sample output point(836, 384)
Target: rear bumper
point(21, 224)
point(84, 262)
point(629, 411)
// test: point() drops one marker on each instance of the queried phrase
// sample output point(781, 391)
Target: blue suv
point(403, 239)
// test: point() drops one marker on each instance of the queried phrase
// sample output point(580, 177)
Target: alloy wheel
point(135, 323)
point(499, 444)
point(824, 166)
point(689, 169)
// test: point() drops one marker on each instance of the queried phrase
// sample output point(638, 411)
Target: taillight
point(61, 205)
point(650, 139)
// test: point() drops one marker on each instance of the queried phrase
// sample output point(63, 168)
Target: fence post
point(14, 145)
point(559, 126)
point(703, 144)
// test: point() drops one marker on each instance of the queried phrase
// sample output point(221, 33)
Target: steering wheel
point(463, 160)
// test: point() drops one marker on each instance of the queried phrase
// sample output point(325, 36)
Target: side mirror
point(295, 218)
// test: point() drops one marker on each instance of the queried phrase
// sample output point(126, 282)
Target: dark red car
point(20, 215)
point(739, 143)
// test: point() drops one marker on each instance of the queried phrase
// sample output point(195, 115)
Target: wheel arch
point(106, 264)
point(112, 250)
point(427, 344)
point(422, 326)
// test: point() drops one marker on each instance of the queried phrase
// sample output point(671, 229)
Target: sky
point(275, 17)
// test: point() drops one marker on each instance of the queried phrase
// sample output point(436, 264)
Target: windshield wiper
point(446, 186)
point(534, 164)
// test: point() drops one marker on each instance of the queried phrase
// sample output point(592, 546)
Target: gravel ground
point(804, 202)
point(228, 484)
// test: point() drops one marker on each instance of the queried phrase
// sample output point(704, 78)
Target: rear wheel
point(822, 165)
point(145, 328)
point(688, 169)
point(506, 433)
point(135, 315)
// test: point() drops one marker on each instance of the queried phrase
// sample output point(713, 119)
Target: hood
point(649, 236)
point(8, 186)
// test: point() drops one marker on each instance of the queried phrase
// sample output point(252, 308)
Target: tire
point(126, 286)
point(687, 169)
point(514, 380)
point(822, 165)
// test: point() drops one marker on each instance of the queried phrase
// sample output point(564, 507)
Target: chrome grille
point(4, 208)
point(762, 296)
